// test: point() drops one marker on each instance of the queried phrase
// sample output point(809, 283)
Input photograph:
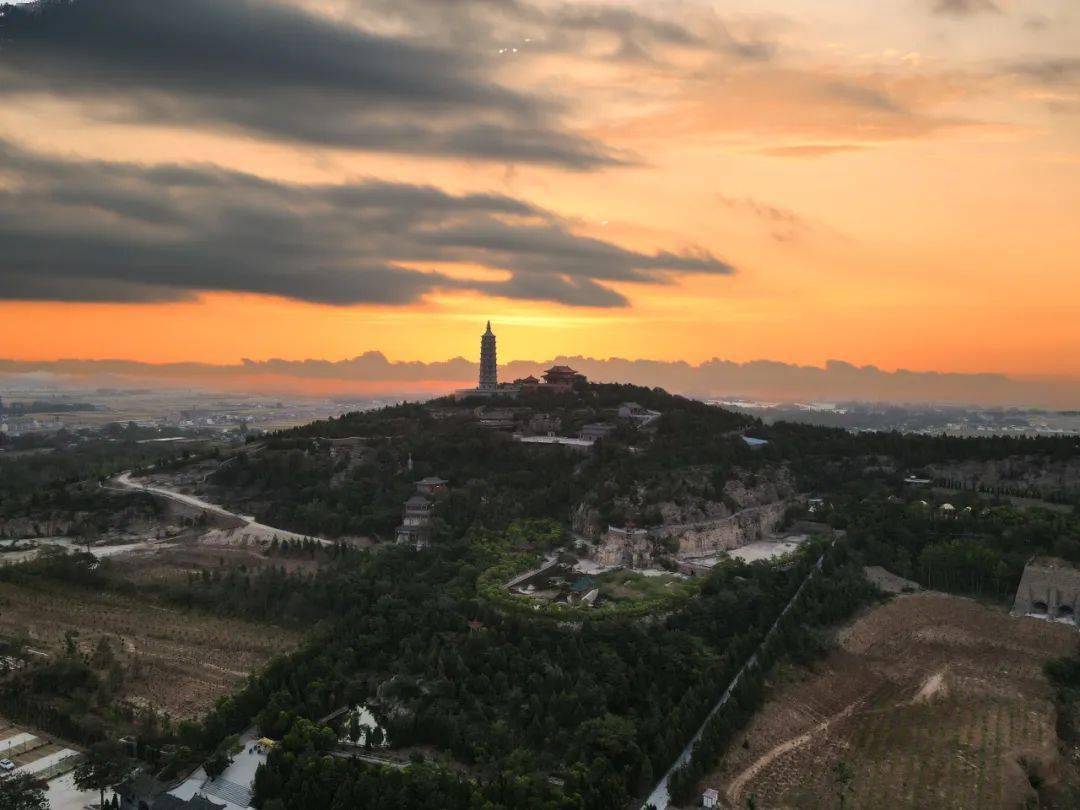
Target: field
point(174, 562)
point(176, 661)
point(929, 701)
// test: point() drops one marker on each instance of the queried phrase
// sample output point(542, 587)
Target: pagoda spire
point(489, 377)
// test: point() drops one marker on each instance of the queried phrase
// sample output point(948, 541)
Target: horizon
point(372, 373)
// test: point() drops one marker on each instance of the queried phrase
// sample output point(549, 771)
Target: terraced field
point(930, 701)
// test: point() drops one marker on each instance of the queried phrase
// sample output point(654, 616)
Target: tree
point(21, 792)
point(105, 765)
point(222, 757)
point(842, 776)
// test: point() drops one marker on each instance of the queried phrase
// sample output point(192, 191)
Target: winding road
point(124, 482)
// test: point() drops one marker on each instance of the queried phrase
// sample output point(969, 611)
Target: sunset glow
point(893, 184)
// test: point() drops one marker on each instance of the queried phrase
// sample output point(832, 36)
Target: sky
point(894, 184)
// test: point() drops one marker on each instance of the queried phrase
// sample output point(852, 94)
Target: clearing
point(931, 700)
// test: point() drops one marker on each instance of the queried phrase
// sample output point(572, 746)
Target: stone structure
point(625, 546)
point(1049, 589)
point(489, 374)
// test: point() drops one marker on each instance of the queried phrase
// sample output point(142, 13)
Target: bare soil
point(931, 700)
point(175, 661)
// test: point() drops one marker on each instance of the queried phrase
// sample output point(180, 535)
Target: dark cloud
point(95, 230)
point(501, 26)
point(1051, 71)
point(279, 72)
point(862, 95)
point(965, 8)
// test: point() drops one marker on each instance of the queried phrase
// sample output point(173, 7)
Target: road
point(660, 798)
point(250, 526)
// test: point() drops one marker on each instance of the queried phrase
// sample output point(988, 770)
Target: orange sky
point(889, 190)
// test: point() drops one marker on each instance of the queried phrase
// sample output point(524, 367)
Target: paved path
point(124, 481)
point(660, 797)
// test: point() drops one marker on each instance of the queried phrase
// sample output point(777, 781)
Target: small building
point(415, 528)
point(710, 798)
point(1049, 589)
point(635, 413)
point(432, 485)
point(754, 444)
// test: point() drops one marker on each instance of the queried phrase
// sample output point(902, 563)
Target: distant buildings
point(637, 414)
point(557, 379)
point(565, 441)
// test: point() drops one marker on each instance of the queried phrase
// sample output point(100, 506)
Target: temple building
point(561, 379)
point(415, 528)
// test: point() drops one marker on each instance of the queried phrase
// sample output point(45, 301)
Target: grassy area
point(631, 586)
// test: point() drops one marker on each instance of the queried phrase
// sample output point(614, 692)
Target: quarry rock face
point(732, 532)
point(638, 547)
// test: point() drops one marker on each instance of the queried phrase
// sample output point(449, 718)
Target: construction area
point(929, 700)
